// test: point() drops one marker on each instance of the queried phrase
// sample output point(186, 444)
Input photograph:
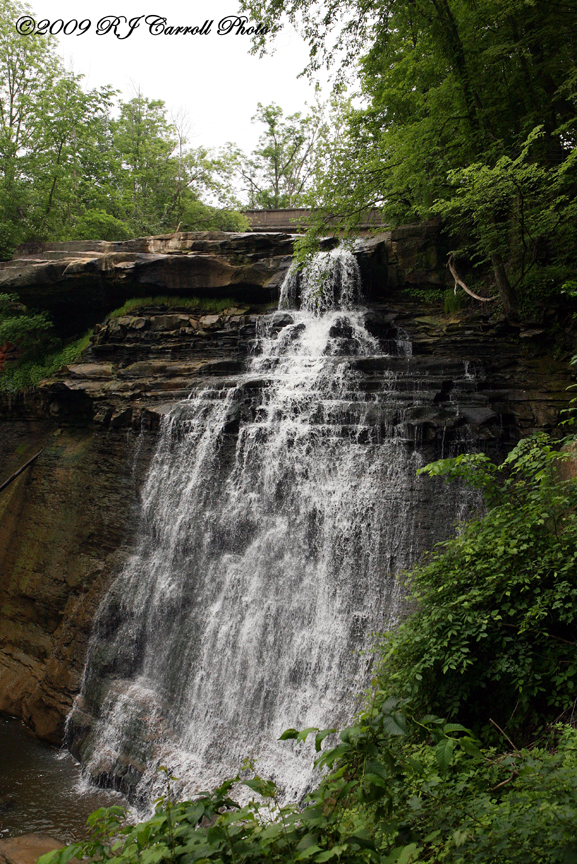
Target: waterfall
point(275, 516)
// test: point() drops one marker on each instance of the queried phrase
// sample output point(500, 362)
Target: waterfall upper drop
point(275, 515)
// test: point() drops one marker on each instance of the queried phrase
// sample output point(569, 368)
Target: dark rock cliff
point(67, 523)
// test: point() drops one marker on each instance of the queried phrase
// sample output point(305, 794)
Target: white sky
point(212, 78)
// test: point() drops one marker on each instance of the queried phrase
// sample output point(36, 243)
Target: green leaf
point(395, 724)
point(409, 853)
point(470, 748)
point(308, 853)
point(455, 727)
point(362, 839)
point(330, 853)
point(376, 768)
point(266, 788)
point(403, 854)
point(288, 734)
point(320, 737)
point(302, 736)
point(460, 837)
point(310, 839)
point(444, 753)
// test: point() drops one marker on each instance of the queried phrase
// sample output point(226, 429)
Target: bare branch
point(459, 281)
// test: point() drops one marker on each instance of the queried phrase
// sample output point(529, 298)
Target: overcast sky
point(213, 78)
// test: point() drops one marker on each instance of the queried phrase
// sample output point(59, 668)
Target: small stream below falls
point(41, 788)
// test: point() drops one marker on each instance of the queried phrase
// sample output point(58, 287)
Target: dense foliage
point(30, 334)
point(281, 169)
point(386, 798)
point(493, 635)
point(468, 110)
point(75, 165)
point(404, 785)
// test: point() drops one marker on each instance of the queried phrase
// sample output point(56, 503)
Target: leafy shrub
point(364, 769)
point(386, 799)
point(99, 225)
point(30, 332)
point(493, 632)
point(21, 375)
point(39, 352)
point(516, 807)
point(535, 820)
point(197, 216)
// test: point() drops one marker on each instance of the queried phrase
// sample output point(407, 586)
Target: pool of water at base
point(41, 788)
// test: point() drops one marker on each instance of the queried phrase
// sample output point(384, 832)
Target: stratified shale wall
point(436, 384)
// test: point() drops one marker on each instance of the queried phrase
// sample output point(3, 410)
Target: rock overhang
point(80, 282)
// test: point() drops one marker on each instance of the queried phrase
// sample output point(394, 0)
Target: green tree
point(70, 162)
point(69, 169)
point(449, 85)
point(54, 140)
point(28, 69)
point(279, 171)
point(144, 143)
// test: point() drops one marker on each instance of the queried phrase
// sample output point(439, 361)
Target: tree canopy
point(281, 169)
point(468, 111)
point(79, 164)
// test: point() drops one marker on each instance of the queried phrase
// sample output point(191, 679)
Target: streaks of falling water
point(266, 557)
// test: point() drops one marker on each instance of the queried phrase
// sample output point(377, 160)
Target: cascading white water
point(271, 529)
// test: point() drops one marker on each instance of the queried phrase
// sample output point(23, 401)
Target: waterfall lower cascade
point(274, 518)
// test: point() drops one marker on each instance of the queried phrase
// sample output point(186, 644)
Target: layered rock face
point(81, 281)
point(67, 523)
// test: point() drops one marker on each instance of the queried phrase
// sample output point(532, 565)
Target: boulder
point(27, 848)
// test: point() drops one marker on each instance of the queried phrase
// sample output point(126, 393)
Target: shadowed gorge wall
point(62, 529)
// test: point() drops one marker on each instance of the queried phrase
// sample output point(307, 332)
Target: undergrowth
point(28, 373)
point(397, 790)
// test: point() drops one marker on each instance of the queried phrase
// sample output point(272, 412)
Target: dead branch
point(459, 281)
point(504, 782)
point(503, 733)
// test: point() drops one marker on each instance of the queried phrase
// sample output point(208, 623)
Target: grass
point(202, 304)
point(31, 373)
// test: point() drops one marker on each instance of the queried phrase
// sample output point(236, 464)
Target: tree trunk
point(506, 291)
point(458, 56)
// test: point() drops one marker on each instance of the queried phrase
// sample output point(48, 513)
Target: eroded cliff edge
point(67, 523)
